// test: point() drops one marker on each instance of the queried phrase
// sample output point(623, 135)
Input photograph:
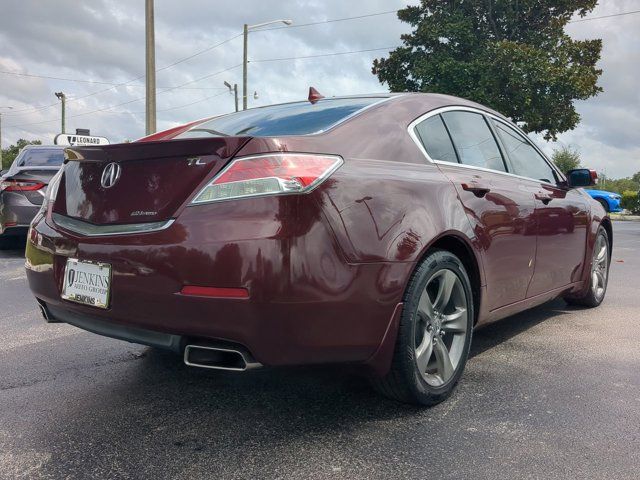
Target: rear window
point(302, 118)
point(41, 157)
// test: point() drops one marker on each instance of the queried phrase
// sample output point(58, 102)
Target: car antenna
point(314, 95)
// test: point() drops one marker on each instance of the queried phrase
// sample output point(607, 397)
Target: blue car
point(609, 200)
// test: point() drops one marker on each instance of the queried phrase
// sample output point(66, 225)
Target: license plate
point(88, 283)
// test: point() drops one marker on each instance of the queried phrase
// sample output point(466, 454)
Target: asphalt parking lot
point(550, 393)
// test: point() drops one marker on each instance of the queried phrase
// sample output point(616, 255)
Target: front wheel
point(434, 335)
point(599, 277)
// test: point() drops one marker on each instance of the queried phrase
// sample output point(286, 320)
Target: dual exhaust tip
point(219, 358)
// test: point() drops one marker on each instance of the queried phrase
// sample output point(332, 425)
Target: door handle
point(478, 189)
point(544, 198)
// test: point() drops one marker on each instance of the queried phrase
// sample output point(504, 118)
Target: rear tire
point(434, 335)
point(599, 278)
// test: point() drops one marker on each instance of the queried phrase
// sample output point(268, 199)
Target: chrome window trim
point(356, 113)
point(90, 230)
point(411, 129)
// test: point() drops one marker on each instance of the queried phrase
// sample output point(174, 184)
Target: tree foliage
point(511, 55)
point(618, 185)
point(566, 158)
point(10, 153)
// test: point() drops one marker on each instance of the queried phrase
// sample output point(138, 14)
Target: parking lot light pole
point(245, 33)
point(63, 98)
point(234, 91)
point(6, 108)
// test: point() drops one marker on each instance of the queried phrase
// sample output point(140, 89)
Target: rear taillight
point(15, 185)
point(269, 174)
point(51, 193)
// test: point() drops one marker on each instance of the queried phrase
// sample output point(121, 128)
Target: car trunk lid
point(147, 182)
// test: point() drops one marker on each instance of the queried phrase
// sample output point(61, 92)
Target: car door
point(501, 210)
point(561, 214)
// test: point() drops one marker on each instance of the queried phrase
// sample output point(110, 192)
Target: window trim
point(413, 134)
point(503, 157)
point(530, 143)
point(446, 129)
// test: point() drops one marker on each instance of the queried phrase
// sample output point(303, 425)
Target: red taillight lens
point(217, 292)
point(269, 174)
point(20, 185)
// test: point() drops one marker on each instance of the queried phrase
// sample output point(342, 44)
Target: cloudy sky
point(100, 44)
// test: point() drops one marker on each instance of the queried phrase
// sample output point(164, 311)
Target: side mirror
point(581, 177)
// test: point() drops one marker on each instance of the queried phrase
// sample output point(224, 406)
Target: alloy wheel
point(600, 267)
point(441, 327)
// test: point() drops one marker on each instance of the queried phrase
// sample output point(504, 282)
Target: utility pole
point(245, 33)
point(234, 91)
point(8, 108)
point(150, 109)
point(63, 98)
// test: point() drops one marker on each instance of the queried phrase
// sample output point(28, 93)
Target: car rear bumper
point(306, 304)
point(54, 313)
point(16, 213)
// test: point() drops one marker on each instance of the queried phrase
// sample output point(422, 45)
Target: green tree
point(566, 158)
point(10, 153)
point(636, 177)
point(513, 56)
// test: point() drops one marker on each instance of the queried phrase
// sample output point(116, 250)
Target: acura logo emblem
point(110, 175)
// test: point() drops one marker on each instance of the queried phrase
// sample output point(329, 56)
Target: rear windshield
point(41, 157)
point(302, 118)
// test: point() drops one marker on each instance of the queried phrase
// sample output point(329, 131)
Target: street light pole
point(8, 108)
point(245, 33)
point(63, 98)
point(150, 110)
point(234, 91)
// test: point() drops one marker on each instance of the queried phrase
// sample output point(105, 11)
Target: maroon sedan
point(376, 231)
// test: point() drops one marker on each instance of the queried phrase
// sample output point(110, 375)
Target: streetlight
point(233, 90)
point(7, 108)
point(245, 32)
point(63, 98)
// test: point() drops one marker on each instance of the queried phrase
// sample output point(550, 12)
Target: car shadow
point(152, 402)
point(493, 334)
point(12, 247)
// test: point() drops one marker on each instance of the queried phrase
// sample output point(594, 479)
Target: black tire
point(604, 204)
point(593, 297)
point(404, 382)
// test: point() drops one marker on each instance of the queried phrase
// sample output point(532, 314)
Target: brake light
point(20, 185)
point(270, 174)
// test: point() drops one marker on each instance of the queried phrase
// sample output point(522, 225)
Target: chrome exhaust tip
point(45, 312)
point(219, 358)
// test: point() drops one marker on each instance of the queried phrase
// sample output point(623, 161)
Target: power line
point(333, 54)
point(621, 14)
point(333, 20)
point(113, 86)
point(79, 80)
point(105, 109)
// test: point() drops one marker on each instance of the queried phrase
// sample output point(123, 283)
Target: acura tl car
point(23, 186)
point(375, 231)
point(610, 201)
